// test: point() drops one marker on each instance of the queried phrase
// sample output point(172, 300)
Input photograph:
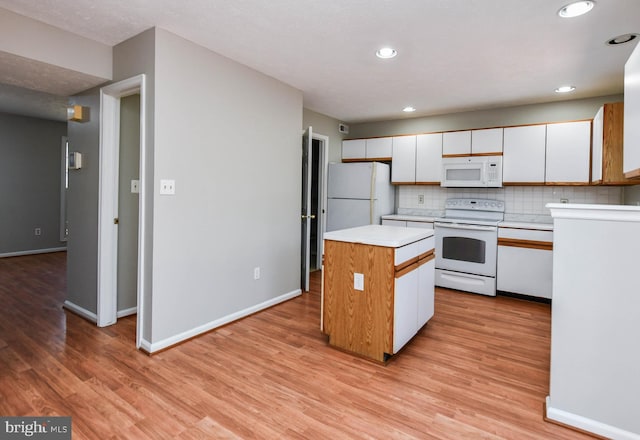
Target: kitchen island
point(377, 289)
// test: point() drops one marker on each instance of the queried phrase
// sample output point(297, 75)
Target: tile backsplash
point(528, 200)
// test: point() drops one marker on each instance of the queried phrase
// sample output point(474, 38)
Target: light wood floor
point(479, 369)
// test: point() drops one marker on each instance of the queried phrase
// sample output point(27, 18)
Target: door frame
point(323, 164)
point(108, 201)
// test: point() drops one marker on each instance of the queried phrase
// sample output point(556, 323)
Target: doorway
point(108, 219)
point(314, 169)
point(128, 185)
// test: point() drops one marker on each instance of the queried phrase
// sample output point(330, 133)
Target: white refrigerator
point(358, 194)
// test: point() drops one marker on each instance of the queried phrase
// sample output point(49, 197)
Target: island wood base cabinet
point(377, 296)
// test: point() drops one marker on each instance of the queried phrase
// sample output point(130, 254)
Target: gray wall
point(230, 137)
point(30, 161)
point(133, 57)
point(82, 206)
point(520, 115)
point(326, 126)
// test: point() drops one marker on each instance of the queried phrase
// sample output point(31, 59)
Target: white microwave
point(472, 172)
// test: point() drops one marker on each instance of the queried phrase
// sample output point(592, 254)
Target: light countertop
point(526, 225)
point(380, 235)
point(407, 217)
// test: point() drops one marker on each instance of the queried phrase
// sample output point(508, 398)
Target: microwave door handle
point(466, 227)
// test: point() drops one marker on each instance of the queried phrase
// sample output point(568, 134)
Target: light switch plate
point(358, 281)
point(167, 187)
point(135, 186)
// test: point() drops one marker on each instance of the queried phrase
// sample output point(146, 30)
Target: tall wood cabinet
point(607, 149)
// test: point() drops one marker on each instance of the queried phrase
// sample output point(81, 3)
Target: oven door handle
point(465, 227)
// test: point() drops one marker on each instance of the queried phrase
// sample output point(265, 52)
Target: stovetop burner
point(473, 211)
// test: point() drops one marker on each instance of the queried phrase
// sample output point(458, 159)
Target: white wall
point(37, 41)
point(326, 126)
point(520, 115)
point(230, 138)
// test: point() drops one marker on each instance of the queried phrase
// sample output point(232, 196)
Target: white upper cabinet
point(367, 149)
point(354, 149)
point(428, 158)
point(456, 143)
point(487, 141)
point(379, 148)
point(523, 159)
point(568, 152)
point(403, 161)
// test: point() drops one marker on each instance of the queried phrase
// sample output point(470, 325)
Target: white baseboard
point(127, 312)
point(33, 252)
point(81, 311)
point(589, 425)
point(145, 345)
point(173, 340)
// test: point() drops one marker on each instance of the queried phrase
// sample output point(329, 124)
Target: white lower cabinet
point(413, 290)
point(525, 261)
point(426, 281)
point(405, 310)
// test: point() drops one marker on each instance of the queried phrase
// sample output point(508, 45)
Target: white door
point(307, 157)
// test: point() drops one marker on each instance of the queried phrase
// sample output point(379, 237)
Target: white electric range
point(467, 245)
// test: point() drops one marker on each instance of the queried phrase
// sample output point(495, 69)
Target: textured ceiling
point(454, 55)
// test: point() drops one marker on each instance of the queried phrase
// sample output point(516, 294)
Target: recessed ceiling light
point(565, 89)
point(409, 109)
point(621, 39)
point(576, 8)
point(386, 52)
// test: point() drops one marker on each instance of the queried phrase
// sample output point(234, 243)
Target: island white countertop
point(379, 235)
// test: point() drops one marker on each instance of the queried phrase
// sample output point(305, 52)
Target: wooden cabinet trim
point(406, 269)
point(523, 183)
point(471, 155)
point(567, 183)
point(413, 263)
point(403, 266)
point(633, 174)
point(528, 244)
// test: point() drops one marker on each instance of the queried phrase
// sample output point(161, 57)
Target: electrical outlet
point(256, 273)
point(358, 281)
point(37, 232)
point(167, 187)
point(421, 199)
